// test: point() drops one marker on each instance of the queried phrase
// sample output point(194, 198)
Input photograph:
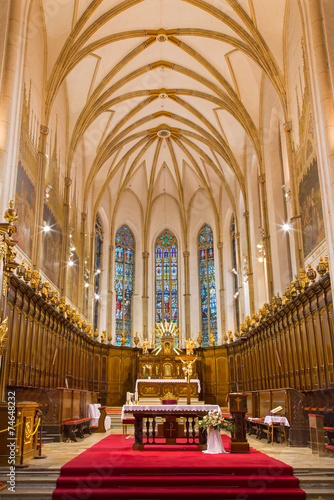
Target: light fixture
point(96, 296)
point(86, 285)
point(286, 226)
point(46, 227)
point(47, 192)
point(70, 263)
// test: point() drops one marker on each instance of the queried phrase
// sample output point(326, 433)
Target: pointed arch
point(124, 283)
point(166, 277)
point(207, 284)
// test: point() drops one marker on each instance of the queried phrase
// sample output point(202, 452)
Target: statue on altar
point(188, 367)
point(146, 345)
point(190, 345)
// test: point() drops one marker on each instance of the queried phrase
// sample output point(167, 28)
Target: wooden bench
point(261, 430)
point(76, 427)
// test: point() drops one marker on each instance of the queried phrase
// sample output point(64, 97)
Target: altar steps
point(39, 484)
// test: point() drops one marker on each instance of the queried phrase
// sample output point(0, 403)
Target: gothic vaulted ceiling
point(164, 95)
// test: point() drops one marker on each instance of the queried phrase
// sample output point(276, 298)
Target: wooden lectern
point(238, 410)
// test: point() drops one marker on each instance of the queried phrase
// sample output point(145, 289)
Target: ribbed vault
point(165, 89)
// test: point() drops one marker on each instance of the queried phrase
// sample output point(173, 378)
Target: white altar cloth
point(269, 420)
point(168, 381)
point(168, 408)
point(94, 413)
point(214, 442)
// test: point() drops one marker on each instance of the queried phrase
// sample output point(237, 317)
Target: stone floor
point(58, 454)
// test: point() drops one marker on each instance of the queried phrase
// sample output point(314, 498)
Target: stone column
point(250, 265)
point(187, 294)
point(82, 256)
point(43, 159)
point(145, 256)
point(220, 247)
point(66, 239)
point(266, 236)
point(323, 101)
point(296, 218)
point(91, 279)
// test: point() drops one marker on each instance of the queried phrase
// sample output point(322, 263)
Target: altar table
point(158, 387)
point(172, 429)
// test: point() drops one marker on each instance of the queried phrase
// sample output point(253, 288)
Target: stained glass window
point(124, 267)
point(166, 298)
point(97, 276)
point(207, 284)
point(235, 273)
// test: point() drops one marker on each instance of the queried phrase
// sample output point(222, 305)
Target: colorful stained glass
point(166, 296)
point(124, 273)
point(97, 279)
point(207, 284)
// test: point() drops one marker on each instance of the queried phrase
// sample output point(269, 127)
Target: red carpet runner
point(111, 470)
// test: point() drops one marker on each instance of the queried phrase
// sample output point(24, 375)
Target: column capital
point(44, 130)
point(111, 247)
point(262, 178)
point(68, 181)
point(186, 254)
point(220, 244)
point(246, 215)
point(287, 126)
point(83, 216)
point(145, 255)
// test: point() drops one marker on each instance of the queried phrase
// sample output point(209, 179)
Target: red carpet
point(111, 470)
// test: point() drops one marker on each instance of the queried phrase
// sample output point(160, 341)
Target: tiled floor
point(58, 454)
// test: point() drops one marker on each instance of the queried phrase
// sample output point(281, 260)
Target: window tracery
point(207, 284)
point(124, 277)
point(166, 284)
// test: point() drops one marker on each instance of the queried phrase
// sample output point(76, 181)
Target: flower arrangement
point(215, 420)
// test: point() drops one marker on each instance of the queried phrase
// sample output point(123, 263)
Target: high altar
point(161, 370)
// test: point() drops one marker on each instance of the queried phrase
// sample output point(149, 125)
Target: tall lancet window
point(97, 274)
point(166, 299)
point(207, 283)
point(124, 267)
point(235, 273)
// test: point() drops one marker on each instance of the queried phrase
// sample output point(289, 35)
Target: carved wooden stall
point(56, 364)
point(293, 350)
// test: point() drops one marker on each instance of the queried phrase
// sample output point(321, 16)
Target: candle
point(127, 397)
point(136, 396)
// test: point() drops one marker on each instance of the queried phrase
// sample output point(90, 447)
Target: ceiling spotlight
point(163, 133)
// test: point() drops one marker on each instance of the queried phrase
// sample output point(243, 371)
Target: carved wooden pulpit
point(238, 410)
